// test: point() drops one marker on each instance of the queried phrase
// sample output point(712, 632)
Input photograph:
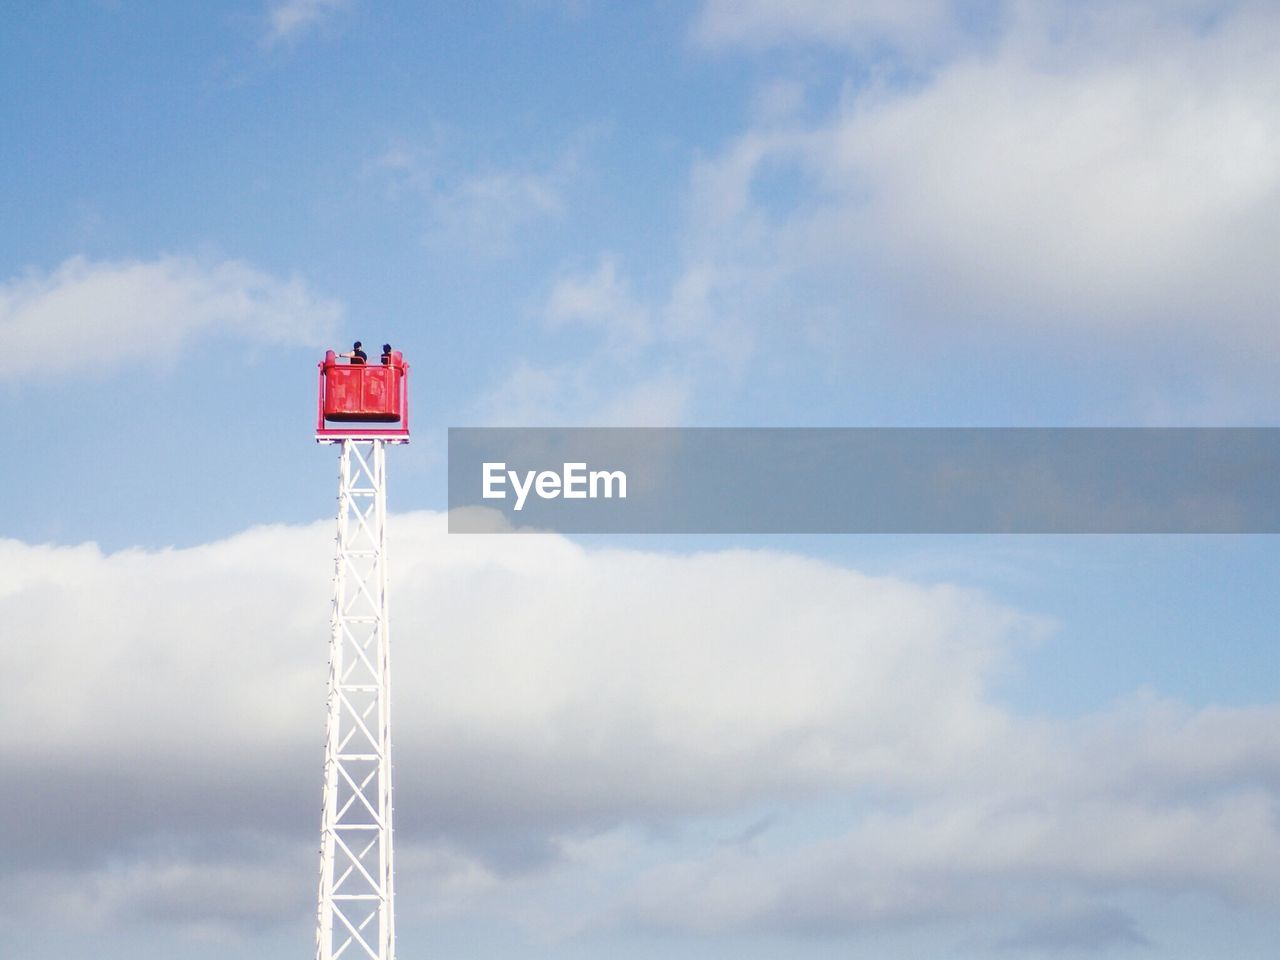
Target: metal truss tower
point(356, 903)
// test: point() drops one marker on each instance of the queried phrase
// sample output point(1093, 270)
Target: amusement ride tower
point(362, 408)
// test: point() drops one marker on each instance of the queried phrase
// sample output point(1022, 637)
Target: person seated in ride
point(356, 355)
point(386, 354)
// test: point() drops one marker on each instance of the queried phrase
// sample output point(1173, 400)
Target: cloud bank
point(560, 710)
point(1084, 195)
point(1109, 170)
point(95, 315)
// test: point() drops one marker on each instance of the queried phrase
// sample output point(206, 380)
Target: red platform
point(353, 394)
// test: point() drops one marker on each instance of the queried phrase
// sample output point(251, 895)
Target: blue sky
point(733, 212)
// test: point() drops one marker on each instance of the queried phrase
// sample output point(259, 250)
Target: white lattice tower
point(356, 911)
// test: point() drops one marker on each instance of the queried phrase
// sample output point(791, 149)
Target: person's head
point(386, 348)
point(357, 345)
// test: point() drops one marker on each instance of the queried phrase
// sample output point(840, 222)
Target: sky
point(570, 212)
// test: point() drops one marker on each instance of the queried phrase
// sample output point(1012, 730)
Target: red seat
point(363, 392)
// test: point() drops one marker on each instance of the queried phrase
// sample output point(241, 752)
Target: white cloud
point(621, 376)
point(95, 315)
point(600, 300)
point(1109, 173)
point(1065, 182)
point(938, 27)
point(1125, 194)
point(637, 362)
point(487, 209)
point(548, 693)
point(247, 884)
point(288, 19)
point(974, 859)
point(568, 662)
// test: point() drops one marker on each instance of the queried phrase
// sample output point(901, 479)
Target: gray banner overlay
point(865, 480)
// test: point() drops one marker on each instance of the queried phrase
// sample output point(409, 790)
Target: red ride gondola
point(363, 393)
